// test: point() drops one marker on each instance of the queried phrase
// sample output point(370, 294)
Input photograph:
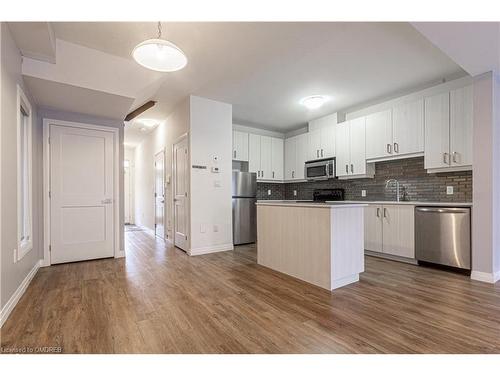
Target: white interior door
point(160, 194)
point(181, 187)
point(81, 190)
point(126, 190)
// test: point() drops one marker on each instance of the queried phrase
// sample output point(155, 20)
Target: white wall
point(486, 182)
point(162, 138)
point(129, 154)
point(211, 207)
point(13, 273)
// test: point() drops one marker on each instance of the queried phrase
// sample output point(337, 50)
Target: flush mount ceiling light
point(314, 101)
point(159, 54)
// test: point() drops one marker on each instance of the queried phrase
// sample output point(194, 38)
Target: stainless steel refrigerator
point(244, 209)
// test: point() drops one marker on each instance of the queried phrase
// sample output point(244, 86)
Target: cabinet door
point(357, 146)
point(290, 157)
point(342, 147)
point(373, 228)
point(266, 154)
point(379, 135)
point(408, 127)
point(461, 126)
point(254, 154)
point(327, 149)
point(314, 144)
point(277, 158)
point(240, 146)
point(302, 153)
point(437, 131)
point(398, 230)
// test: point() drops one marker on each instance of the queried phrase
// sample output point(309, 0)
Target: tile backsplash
point(418, 184)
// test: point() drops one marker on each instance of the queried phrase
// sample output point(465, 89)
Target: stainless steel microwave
point(320, 169)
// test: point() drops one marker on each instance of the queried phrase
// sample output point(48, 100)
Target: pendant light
point(159, 54)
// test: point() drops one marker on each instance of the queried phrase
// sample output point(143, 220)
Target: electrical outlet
point(269, 192)
point(363, 193)
point(449, 190)
point(295, 193)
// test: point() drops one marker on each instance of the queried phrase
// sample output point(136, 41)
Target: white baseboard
point(211, 249)
point(338, 283)
point(14, 299)
point(485, 277)
point(120, 254)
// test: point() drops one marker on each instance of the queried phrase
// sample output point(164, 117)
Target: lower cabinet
point(390, 229)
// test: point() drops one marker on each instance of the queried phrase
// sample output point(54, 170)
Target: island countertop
point(365, 202)
point(329, 205)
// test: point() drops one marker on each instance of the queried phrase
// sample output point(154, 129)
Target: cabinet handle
point(446, 158)
point(455, 157)
point(352, 168)
point(346, 168)
point(273, 174)
point(317, 153)
point(378, 211)
point(396, 147)
point(321, 152)
point(234, 152)
point(385, 212)
point(389, 148)
point(293, 174)
point(262, 173)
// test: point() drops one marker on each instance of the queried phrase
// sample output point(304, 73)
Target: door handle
point(107, 201)
point(396, 147)
point(352, 168)
point(389, 148)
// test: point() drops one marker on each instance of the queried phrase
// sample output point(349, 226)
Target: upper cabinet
point(296, 154)
point(240, 146)
point(265, 157)
point(322, 137)
point(448, 130)
point(350, 149)
point(396, 132)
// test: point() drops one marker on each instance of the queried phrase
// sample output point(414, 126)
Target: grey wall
point(420, 185)
point(53, 114)
point(13, 273)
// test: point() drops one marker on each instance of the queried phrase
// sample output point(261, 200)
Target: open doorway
point(160, 194)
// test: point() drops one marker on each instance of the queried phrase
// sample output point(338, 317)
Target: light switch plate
point(269, 192)
point(363, 193)
point(449, 190)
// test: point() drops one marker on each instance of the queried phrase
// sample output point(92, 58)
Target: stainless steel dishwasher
point(442, 236)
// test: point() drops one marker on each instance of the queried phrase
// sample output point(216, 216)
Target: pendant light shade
point(159, 54)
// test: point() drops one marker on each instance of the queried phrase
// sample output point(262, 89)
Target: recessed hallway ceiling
point(264, 69)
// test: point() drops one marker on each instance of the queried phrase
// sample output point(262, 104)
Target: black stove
point(323, 195)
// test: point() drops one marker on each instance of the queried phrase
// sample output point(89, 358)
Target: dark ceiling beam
point(136, 112)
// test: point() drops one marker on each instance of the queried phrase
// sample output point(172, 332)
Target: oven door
point(317, 171)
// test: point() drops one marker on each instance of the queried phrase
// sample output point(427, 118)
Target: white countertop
point(358, 203)
point(331, 204)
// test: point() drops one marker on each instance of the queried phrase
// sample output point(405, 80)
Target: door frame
point(118, 253)
point(165, 233)
point(188, 203)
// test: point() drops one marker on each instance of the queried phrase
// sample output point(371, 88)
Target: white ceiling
point(264, 69)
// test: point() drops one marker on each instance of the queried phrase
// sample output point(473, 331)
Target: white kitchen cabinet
point(296, 154)
point(398, 233)
point(461, 126)
point(408, 128)
point(240, 146)
point(277, 158)
point(437, 131)
point(322, 137)
point(350, 149)
point(373, 227)
point(448, 130)
point(379, 135)
point(389, 229)
point(265, 157)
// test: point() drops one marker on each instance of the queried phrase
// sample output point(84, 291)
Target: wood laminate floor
point(159, 300)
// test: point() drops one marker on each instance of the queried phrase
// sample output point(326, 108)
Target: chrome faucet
point(388, 182)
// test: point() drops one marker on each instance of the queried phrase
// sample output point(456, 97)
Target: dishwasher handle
point(443, 210)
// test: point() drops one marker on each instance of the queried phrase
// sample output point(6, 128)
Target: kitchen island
point(320, 243)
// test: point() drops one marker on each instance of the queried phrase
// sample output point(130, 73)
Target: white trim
point(16, 296)
point(165, 231)
point(396, 157)
point(343, 281)
point(450, 169)
point(485, 277)
point(210, 249)
point(24, 247)
point(395, 258)
point(179, 139)
point(117, 167)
